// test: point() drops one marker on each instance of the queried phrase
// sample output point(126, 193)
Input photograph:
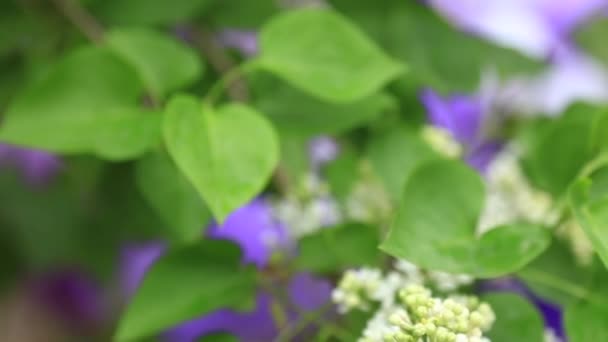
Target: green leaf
point(591, 212)
point(242, 14)
point(343, 173)
point(186, 283)
point(87, 113)
point(228, 153)
point(163, 63)
point(296, 112)
point(560, 150)
point(330, 59)
point(516, 319)
point(555, 275)
point(172, 196)
point(592, 37)
point(438, 55)
point(218, 337)
point(395, 154)
point(149, 12)
point(436, 222)
point(586, 322)
point(358, 246)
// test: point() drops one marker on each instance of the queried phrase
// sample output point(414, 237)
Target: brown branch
point(221, 62)
point(80, 18)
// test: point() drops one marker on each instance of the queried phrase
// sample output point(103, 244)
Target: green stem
point(80, 18)
point(288, 334)
point(561, 285)
point(232, 75)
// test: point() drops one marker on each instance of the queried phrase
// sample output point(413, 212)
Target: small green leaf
point(163, 63)
point(296, 112)
point(330, 58)
point(436, 222)
point(228, 154)
point(173, 197)
point(516, 319)
point(149, 12)
point(585, 322)
point(186, 283)
point(395, 154)
point(74, 110)
point(358, 246)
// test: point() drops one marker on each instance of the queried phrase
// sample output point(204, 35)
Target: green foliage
point(436, 222)
point(395, 154)
point(438, 55)
point(330, 59)
point(172, 196)
point(592, 37)
point(358, 247)
point(163, 63)
point(227, 153)
point(586, 321)
point(186, 283)
point(88, 114)
point(149, 12)
point(295, 112)
point(516, 319)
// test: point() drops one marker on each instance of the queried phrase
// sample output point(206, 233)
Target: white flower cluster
point(421, 317)
point(308, 209)
point(361, 288)
point(510, 197)
point(368, 201)
point(579, 242)
point(441, 141)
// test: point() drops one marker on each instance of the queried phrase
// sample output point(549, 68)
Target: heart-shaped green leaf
point(322, 53)
point(516, 319)
point(228, 154)
point(436, 222)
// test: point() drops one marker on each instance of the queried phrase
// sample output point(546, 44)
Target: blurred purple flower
point(254, 229)
point(537, 27)
point(322, 150)
point(550, 312)
point(246, 42)
point(464, 117)
point(73, 297)
point(36, 167)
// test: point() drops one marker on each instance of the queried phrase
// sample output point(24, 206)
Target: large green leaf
point(163, 63)
point(149, 12)
point(516, 319)
point(395, 154)
point(322, 53)
point(87, 103)
point(173, 196)
point(186, 283)
point(228, 153)
point(437, 53)
point(436, 222)
point(337, 248)
point(586, 321)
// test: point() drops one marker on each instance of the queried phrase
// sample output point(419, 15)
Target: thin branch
point(222, 63)
point(81, 19)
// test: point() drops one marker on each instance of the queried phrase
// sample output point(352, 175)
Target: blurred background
point(70, 224)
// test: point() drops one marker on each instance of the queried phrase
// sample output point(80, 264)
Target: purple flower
point(550, 312)
point(537, 27)
point(464, 117)
point(36, 167)
point(322, 150)
point(253, 228)
point(71, 296)
point(246, 42)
